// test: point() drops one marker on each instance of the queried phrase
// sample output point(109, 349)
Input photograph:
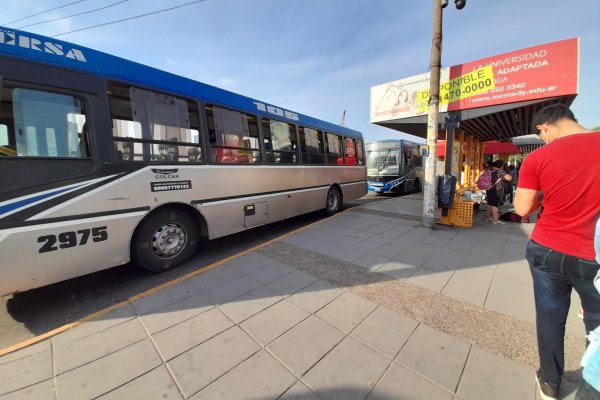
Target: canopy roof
point(488, 123)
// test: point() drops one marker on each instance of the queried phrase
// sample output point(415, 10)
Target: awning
point(488, 148)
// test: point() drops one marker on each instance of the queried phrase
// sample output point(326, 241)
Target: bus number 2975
point(69, 239)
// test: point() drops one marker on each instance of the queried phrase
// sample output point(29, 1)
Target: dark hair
point(551, 115)
point(498, 163)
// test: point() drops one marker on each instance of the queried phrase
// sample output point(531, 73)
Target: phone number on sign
point(165, 186)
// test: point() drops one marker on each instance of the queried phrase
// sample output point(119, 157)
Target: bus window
point(37, 123)
point(350, 151)
point(233, 136)
point(312, 146)
point(153, 127)
point(280, 142)
point(360, 158)
point(335, 155)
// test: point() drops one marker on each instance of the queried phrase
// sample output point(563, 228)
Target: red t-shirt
point(567, 171)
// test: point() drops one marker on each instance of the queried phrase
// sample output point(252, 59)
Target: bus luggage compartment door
point(256, 214)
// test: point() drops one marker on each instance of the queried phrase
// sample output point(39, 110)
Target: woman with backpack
point(494, 193)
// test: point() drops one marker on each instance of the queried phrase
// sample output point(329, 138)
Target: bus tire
point(164, 240)
point(333, 202)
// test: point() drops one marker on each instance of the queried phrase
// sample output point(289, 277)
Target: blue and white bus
point(104, 161)
point(394, 166)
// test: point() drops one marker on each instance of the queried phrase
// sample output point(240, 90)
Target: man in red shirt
point(563, 178)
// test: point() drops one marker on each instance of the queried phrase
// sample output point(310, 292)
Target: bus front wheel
point(164, 240)
point(334, 201)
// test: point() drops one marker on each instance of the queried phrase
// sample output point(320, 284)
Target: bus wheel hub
point(168, 240)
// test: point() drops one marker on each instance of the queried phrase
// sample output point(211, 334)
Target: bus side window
point(360, 158)
point(312, 146)
point(153, 127)
point(236, 136)
point(41, 124)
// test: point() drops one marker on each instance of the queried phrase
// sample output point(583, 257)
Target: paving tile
point(174, 313)
point(444, 260)
point(446, 356)
point(488, 376)
point(346, 311)
point(385, 330)
point(397, 269)
point(305, 344)
point(367, 245)
point(349, 255)
point(470, 285)
point(412, 257)
point(25, 372)
point(154, 385)
point(215, 277)
point(40, 391)
point(198, 367)
point(164, 297)
point(271, 273)
point(371, 261)
point(230, 290)
point(26, 352)
point(430, 279)
point(513, 278)
point(179, 338)
point(71, 355)
point(251, 262)
point(316, 296)
point(401, 383)
point(259, 377)
point(250, 303)
point(101, 376)
point(348, 372)
point(292, 283)
point(388, 251)
point(113, 318)
point(299, 392)
point(271, 323)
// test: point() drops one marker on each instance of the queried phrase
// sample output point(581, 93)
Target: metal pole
point(432, 120)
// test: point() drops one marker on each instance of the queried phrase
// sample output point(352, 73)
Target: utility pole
point(433, 116)
point(434, 110)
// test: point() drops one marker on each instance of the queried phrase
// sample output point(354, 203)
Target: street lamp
point(433, 114)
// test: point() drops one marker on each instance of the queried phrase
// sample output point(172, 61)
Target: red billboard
point(538, 72)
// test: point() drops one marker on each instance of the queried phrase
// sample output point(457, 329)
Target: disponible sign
point(548, 70)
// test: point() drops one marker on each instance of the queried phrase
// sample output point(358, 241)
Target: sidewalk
point(364, 305)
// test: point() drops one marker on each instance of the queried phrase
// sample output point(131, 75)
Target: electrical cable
point(130, 18)
point(73, 15)
point(43, 12)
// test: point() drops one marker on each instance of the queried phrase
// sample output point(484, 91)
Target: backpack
point(484, 182)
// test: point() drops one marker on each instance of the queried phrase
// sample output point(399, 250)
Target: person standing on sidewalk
point(563, 178)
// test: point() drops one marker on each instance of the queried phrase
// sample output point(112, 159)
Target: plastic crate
point(461, 213)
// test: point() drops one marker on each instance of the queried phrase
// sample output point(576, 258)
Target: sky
point(318, 57)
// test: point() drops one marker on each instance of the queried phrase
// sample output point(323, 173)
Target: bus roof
point(33, 47)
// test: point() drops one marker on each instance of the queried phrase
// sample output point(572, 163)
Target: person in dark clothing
point(493, 195)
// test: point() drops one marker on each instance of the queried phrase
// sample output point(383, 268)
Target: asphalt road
point(35, 312)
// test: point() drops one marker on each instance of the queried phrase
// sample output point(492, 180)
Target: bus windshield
point(383, 162)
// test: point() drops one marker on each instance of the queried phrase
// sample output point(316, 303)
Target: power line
point(73, 15)
point(130, 18)
point(43, 12)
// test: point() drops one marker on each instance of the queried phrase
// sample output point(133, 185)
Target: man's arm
point(527, 200)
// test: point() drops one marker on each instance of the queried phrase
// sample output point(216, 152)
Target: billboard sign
point(548, 70)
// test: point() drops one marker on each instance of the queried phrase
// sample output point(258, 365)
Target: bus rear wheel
point(164, 240)
point(334, 201)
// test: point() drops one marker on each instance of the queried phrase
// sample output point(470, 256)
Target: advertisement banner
point(548, 70)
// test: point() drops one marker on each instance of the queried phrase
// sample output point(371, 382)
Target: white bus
point(104, 161)
point(394, 166)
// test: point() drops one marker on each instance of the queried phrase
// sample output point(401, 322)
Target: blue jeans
point(554, 275)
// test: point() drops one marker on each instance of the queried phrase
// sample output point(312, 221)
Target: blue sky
point(321, 57)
